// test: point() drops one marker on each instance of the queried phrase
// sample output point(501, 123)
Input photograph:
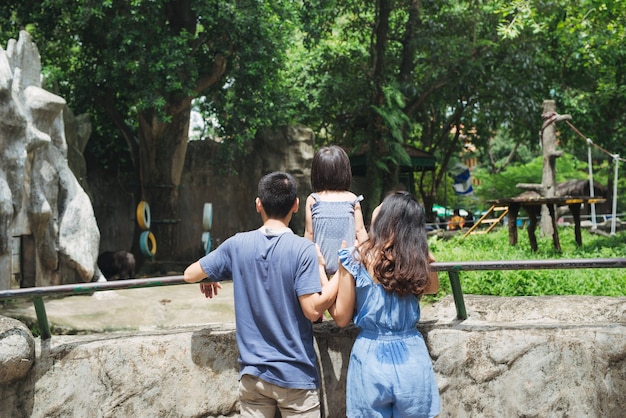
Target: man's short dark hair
point(278, 192)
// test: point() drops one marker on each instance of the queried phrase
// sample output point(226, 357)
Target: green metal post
point(455, 283)
point(42, 318)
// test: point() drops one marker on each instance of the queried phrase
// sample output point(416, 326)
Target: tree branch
point(217, 70)
point(418, 101)
point(108, 103)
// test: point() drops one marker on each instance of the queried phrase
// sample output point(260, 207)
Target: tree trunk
point(162, 149)
point(410, 42)
point(548, 175)
point(377, 146)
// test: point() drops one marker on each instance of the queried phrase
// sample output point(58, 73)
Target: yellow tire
point(147, 244)
point(143, 215)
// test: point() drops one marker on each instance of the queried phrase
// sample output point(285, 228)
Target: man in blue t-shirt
point(279, 288)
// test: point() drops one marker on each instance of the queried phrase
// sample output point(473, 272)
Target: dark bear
point(117, 265)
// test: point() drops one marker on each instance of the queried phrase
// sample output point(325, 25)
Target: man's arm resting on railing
point(195, 274)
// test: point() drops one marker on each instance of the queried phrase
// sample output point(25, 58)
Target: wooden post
point(550, 154)
point(532, 226)
point(555, 232)
point(513, 213)
point(575, 209)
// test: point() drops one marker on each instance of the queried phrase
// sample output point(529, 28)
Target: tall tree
point(423, 74)
point(584, 51)
point(137, 66)
point(436, 74)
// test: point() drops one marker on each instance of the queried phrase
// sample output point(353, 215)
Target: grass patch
point(495, 247)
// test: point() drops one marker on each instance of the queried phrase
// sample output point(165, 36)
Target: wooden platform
point(532, 207)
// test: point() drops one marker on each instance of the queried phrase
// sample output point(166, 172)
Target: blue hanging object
point(206, 242)
point(147, 244)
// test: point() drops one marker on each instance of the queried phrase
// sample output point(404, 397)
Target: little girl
point(333, 213)
point(390, 372)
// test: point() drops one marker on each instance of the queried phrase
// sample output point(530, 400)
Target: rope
point(590, 142)
point(551, 117)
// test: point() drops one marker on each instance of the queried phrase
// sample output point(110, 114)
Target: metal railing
point(452, 268)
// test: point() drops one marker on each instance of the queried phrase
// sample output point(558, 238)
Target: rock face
point(532, 357)
point(48, 231)
point(512, 357)
point(17, 350)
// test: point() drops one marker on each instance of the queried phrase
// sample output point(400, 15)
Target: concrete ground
point(151, 308)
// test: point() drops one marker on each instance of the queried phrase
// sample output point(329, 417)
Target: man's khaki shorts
point(259, 398)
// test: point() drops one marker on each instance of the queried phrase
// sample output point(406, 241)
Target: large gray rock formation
point(48, 232)
point(512, 357)
point(556, 356)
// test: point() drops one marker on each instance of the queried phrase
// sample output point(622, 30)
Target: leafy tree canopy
point(464, 71)
point(435, 74)
point(583, 45)
point(117, 58)
point(136, 67)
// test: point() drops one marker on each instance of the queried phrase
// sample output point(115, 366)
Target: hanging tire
point(206, 242)
point(207, 216)
point(147, 244)
point(143, 215)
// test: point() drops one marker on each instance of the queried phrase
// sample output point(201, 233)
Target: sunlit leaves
point(517, 16)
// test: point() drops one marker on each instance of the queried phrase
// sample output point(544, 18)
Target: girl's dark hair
point(277, 192)
point(397, 251)
point(331, 169)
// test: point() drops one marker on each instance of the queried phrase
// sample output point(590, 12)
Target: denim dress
point(333, 222)
point(390, 373)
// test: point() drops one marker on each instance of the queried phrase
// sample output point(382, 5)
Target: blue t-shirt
point(270, 270)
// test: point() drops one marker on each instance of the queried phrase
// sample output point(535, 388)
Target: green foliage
point(495, 246)
point(431, 69)
point(445, 58)
point(392, 113)
point(115, 59)
point(501, 146)
point(484, 67)
point(503, 185)
point(583, 55)
point(517, 16)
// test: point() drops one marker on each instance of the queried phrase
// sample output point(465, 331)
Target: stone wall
point(512, 357)
point(229, 187)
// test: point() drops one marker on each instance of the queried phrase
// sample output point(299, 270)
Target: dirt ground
point(151, 308)
point(143, 309)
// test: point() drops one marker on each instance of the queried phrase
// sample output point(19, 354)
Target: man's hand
point(209, 289)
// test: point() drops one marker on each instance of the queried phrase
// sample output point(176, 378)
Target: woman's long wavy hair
point(397, 249)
